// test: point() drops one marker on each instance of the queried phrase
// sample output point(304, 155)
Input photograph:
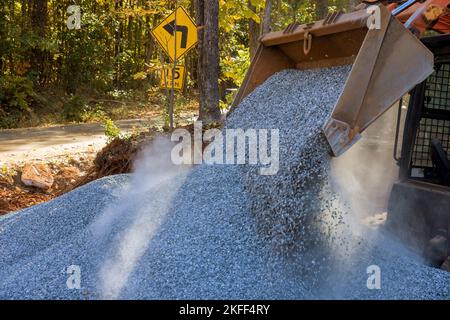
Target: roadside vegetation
point(110, 67)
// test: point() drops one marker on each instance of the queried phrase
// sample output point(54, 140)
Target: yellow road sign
point(176, 34)
point(179, 73)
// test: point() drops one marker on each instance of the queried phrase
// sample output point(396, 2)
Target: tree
point(3, 35)
point(208, 59)
point(267, 18)
point(321, 8)
point(114, 51)
point(39, 17)
point(253, 32)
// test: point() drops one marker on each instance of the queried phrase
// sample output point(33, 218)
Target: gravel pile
point(403, 274)
point(38, 244)
point(215, 232)
point(204, 247)
point(290, 205)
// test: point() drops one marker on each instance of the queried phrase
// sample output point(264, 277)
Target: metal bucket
point(387, 62)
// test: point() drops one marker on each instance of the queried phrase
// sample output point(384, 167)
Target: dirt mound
point(14, 195)
point(117, 157)
point(13, 199)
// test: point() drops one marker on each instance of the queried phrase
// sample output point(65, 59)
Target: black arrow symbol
point(170, 28)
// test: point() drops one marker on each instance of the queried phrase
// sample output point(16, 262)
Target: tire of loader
point(437, 249)
point(418, 215)
point(446, 265)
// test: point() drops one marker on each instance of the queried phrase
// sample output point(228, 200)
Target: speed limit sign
point(179, 75)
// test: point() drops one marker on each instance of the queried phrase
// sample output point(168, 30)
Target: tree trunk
point(200, 17)
point(24, 5)
point(321, 9)
point(39, 17)
point(267, 19)
point(129, 36)
point(192, 58)
point(118, 43)
point(253, 34)
point(208, 65)
point(3, 35)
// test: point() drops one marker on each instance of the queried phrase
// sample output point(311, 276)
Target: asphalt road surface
point(36, 144)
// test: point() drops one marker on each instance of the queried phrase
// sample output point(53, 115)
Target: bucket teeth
point(290, 28)
point(332, 17)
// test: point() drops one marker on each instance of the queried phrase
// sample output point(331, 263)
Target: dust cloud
point(138, 213)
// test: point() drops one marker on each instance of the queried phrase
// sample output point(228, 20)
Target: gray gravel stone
point(216, 232)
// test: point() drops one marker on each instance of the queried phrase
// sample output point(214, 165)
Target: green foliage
point(94, 113)
point(7, 172)
point(225, 106)
point(164, 100)
point(235, 65)
point(84, 62)
point(179, 103)
point(74, 109)
point(113, 53)
point(111, 129)
point(15, 95)
point(234, 11)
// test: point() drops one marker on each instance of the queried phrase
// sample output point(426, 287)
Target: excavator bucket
point(387, 61)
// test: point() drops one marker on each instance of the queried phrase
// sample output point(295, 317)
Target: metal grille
point(437, 96)
point(435, 121)
point(430, 129)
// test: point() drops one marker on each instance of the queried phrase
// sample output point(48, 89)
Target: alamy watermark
point(74, 279)
point(74, 19)
point(374, 279)
point(374, 20)
point(228, 146)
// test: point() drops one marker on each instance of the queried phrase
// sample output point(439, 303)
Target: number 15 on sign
point(179, 75)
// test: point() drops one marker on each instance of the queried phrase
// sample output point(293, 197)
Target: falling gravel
point(216, 231)
point(289, 206)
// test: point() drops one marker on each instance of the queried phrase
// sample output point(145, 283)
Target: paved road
point(21, 145)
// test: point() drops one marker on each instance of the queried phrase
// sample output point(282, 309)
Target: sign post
point(176, 34)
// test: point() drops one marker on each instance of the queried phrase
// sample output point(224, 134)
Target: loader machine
point(381, 40)
point(419, 204)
